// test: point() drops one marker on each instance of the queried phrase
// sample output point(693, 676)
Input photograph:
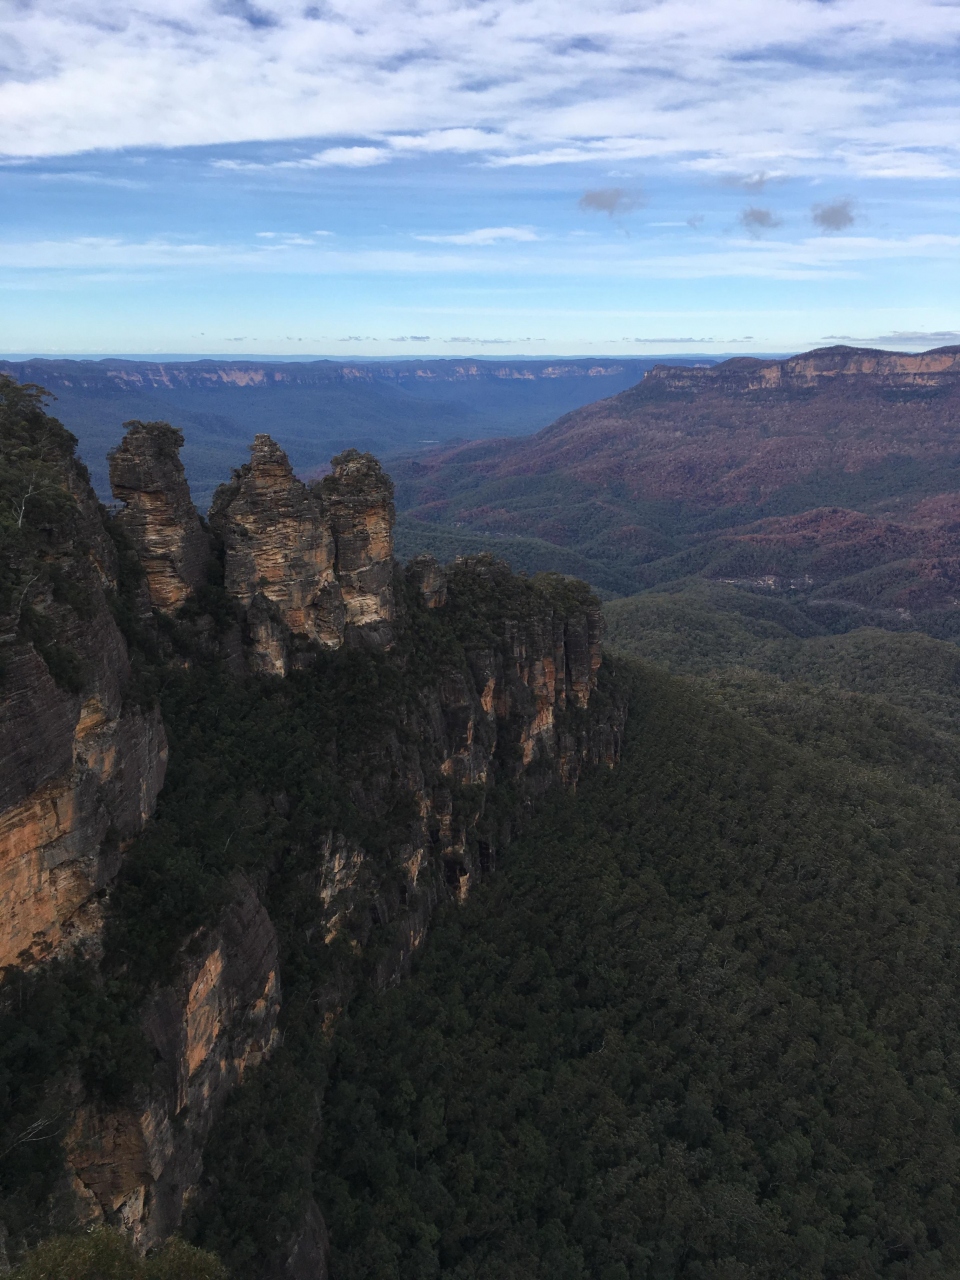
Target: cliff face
point(358, 500)
point(278, 558)
point(307, 565)
point(476, 686)
point(135, 1167)
point(891, 370)
point(515, 712)
point(159, 518)
point(133, 375)
point(80, 767)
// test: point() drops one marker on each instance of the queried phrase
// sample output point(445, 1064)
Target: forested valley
point(646, 968)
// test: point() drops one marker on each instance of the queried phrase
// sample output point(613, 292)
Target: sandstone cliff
point(279, 556)
point(894, 370)
point(439, 703)
point(135, 1167)
point(159, 518)
point(358, 500)
point(80, 764)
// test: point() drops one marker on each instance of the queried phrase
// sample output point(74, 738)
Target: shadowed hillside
point(831, 476)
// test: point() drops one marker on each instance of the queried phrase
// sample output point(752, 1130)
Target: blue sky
point(451, 177)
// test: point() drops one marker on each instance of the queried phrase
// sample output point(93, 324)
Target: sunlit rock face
point(159, 517)
point(510, 698)
point(80, 764)
point(136, 1167)
point(358, 502)
point(278, 558)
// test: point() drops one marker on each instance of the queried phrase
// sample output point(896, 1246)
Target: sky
point(391, 178)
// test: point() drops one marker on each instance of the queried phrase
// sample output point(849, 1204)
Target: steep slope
point(330, 783)
point(833, 474)
point(703, 1024)
point(81, 760)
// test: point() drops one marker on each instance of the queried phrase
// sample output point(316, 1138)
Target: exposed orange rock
point(278, 557)
point(358, 502)
point(136, 1167)
point(79, 770)
point(146, 474)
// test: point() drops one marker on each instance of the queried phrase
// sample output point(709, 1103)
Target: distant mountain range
point(314, 409)
point(833, 476)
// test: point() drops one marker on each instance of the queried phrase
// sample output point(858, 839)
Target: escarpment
point(133, 1167)
point(887, 370)
point(81, 763)
point(312, 822)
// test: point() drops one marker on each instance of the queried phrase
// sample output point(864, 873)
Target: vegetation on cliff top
point(704, 1023)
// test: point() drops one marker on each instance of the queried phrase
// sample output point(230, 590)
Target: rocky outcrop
point(506, 697)
point(430, 579)
point(136, 1168)
point(309, 566)
point(358, 501)
point(516, 712)
point(80, 765)
point(895, 370)
point(159, 517)
point(279, 554)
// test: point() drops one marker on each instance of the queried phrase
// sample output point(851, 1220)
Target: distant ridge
point(833, 476)
point(124, 374)
point(314, 408)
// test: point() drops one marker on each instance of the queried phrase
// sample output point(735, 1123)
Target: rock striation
point(893, 370)
point(135, 1168)
point(358, 501)
point(506, 705)
point(279, 555)
point(81, 764)
point(307, 565)
point(158, 516)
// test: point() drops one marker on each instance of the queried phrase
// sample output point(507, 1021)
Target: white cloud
point(814, 258)
point(867, 87)
point(485, 235)
point(347, 157)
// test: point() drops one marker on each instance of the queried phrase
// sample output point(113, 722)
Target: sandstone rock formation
point(509, 698)
point(135, 1168)
point(278, 558)
point(430, 579)
point(146, 474)
point(80, 766)
point(358, 501)
point(890, 369)
point(518, 709)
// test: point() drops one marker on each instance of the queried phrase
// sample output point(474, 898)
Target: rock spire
point(278, 557)
point(358, 501)
point(159, 517)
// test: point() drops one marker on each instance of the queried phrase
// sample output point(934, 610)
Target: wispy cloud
point(344, 157)
point(744, 88)
point(913, 337)
point(485, 235)
point(815, 258)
